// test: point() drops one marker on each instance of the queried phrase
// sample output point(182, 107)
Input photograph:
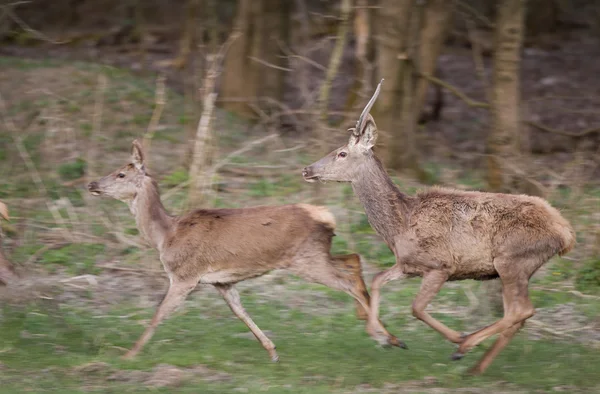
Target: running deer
point(224, 246)
point(444, 234)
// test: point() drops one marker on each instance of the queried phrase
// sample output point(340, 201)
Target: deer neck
point(151, 218)
point(386, 206)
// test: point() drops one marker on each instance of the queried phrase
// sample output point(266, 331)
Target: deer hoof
point(456, 356)
point(398, 343)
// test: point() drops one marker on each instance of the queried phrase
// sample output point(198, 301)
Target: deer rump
point(231, 245)
point(465, 231)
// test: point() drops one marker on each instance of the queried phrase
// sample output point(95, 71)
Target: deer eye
point(121, 175)
point(342, 154)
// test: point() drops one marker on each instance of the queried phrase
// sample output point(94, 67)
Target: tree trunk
point(502, 143)
point(505, 101)
point(364, 52)
point(254, 62)
point(436, 20)
point(393, 27)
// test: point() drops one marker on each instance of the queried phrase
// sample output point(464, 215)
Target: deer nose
point(92, 186)
point(306, 172)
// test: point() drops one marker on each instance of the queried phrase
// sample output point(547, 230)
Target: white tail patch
point(320, 214)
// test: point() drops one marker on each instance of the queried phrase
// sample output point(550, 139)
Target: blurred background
point(231, 99)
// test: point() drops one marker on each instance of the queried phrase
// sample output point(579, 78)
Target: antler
point(365, 112)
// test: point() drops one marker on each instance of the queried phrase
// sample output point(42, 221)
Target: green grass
point(42, 344)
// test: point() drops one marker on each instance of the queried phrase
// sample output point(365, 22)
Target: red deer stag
point(445, 234)
point(224, 246)
point(7, 273)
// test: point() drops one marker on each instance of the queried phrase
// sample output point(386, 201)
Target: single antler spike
point(367, 109)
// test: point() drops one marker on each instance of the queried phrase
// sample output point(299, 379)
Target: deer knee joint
point(417, 311)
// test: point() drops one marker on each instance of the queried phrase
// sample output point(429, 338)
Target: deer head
point(124, 183)
point(342, 164)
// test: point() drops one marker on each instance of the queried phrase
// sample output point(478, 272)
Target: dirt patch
point(428, 385)
point(165, 375)
point(564, 321)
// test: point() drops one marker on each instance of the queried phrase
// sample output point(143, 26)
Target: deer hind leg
point(489, 356)
point(430, 287)
point(517, 306)
point(232, 297)
point(350, 266)
point(374, 327)
point(335, 272)
point(177, 293)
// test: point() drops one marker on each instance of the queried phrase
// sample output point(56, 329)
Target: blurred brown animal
point(7, 272)
point(445, 234)
point(225, 246)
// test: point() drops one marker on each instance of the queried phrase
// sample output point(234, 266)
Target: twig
point(40, 36)
point(477, 14)
point(540, 126)
point(271, 65)
point(574, 292)
point(160, 99)
point(243, 149)
point(136, 270)
point(457, 92)
point(33, 258)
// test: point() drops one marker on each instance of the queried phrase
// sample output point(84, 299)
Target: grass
point(48, 345)
point(43, 345)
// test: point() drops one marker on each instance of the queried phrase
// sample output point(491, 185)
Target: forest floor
point(89, 285)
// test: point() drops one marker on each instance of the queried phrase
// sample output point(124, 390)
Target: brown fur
point(225, 246)
point(444, 234)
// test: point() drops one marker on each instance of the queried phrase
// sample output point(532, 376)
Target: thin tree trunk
point(334, 65)
point(502, 143)
point(390, 112)
point(438, 14)
point(254, 65)
point(364, 53)
point(505, 102)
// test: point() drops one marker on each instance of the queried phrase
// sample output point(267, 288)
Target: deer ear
point(367, 135)
point(137, 155)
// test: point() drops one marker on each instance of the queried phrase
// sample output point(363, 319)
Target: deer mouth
point(312, 178)
point(93, 189)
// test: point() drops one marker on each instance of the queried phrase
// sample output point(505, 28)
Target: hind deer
point(444, 234)
point(222, 247)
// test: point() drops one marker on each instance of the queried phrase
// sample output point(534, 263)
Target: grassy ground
point(64, 328)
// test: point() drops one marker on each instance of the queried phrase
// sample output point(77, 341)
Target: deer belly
point(228, 276)
point(473, 266)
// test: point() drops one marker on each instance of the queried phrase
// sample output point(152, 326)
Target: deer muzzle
point(308, 174)
point(94, 188)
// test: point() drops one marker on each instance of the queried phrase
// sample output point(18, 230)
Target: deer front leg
point(374, 327)
point(232, 297)
point(430, 287)
point(177, 293)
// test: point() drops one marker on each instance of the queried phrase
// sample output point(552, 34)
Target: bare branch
point(40, 36)
point(542, 127)
point(160, 99)
point(457, 92)
point(271, 65)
